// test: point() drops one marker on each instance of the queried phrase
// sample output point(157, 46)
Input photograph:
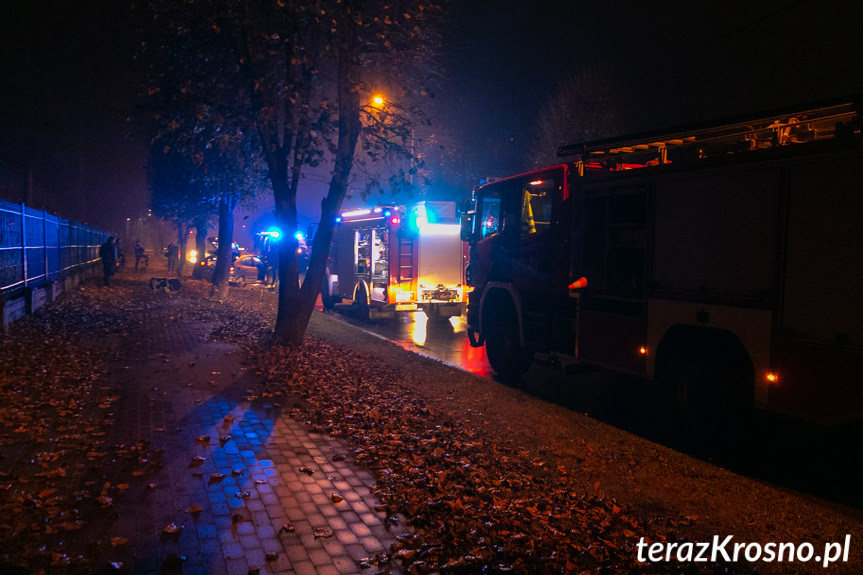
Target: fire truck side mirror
point(466, 227)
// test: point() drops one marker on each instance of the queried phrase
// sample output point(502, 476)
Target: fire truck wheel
point(712, 397)
point(361, 302)
point(503, 346)
point(432, 312)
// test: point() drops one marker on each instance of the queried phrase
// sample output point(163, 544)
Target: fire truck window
point(489, 214)
point(363, 253)
point(536, 201)
point(381, 254)
point(614, 251)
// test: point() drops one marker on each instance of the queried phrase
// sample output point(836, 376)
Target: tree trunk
point(224, 259)
point(296, 304)
point(201, 248)
point(201, 230)
point(182, 241)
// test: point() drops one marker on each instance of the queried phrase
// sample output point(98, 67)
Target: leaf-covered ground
point(475, 476)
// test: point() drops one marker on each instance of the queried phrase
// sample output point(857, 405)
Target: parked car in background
point(204, 268)
point(245, 270)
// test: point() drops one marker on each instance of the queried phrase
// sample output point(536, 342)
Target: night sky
point(673, 62)
point(68, 90)
point(68, 84)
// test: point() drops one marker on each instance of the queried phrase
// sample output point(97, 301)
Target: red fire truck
point(722, 262)
point(391, 259)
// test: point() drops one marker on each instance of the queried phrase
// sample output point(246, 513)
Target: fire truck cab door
point(532, 227)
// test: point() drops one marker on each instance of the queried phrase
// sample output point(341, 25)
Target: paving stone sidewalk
point(243, 487)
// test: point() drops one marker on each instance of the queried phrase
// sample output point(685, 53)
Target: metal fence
point(37, 247)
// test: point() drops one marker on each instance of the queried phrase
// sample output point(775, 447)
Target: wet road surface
point(444, 339)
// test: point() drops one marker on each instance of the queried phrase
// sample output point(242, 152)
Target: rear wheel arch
point(707, 374)
point(686, 340)
point(361, 291)
point(361, 297)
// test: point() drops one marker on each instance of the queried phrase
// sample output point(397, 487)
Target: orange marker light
point(642, 350)
point(772, 377)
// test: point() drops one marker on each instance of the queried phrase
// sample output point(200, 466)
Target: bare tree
point(302, 73)
point(585, 107)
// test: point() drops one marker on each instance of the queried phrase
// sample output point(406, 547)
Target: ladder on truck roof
point(761, 132)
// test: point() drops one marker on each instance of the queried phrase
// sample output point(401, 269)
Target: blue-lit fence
point(37, 247)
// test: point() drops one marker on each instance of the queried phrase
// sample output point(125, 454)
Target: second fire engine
point(391, 259)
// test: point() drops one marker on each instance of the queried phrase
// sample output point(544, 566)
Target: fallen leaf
point(287, 528)
point(72, 525)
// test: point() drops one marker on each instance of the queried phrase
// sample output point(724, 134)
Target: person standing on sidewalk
point(139, 254)
point(108, 253)
point(172, 252)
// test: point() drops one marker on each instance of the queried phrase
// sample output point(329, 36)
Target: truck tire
point(361, 301)
point(328, 302)
point(503, 346)
point(432, 312)
point(713, 396)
